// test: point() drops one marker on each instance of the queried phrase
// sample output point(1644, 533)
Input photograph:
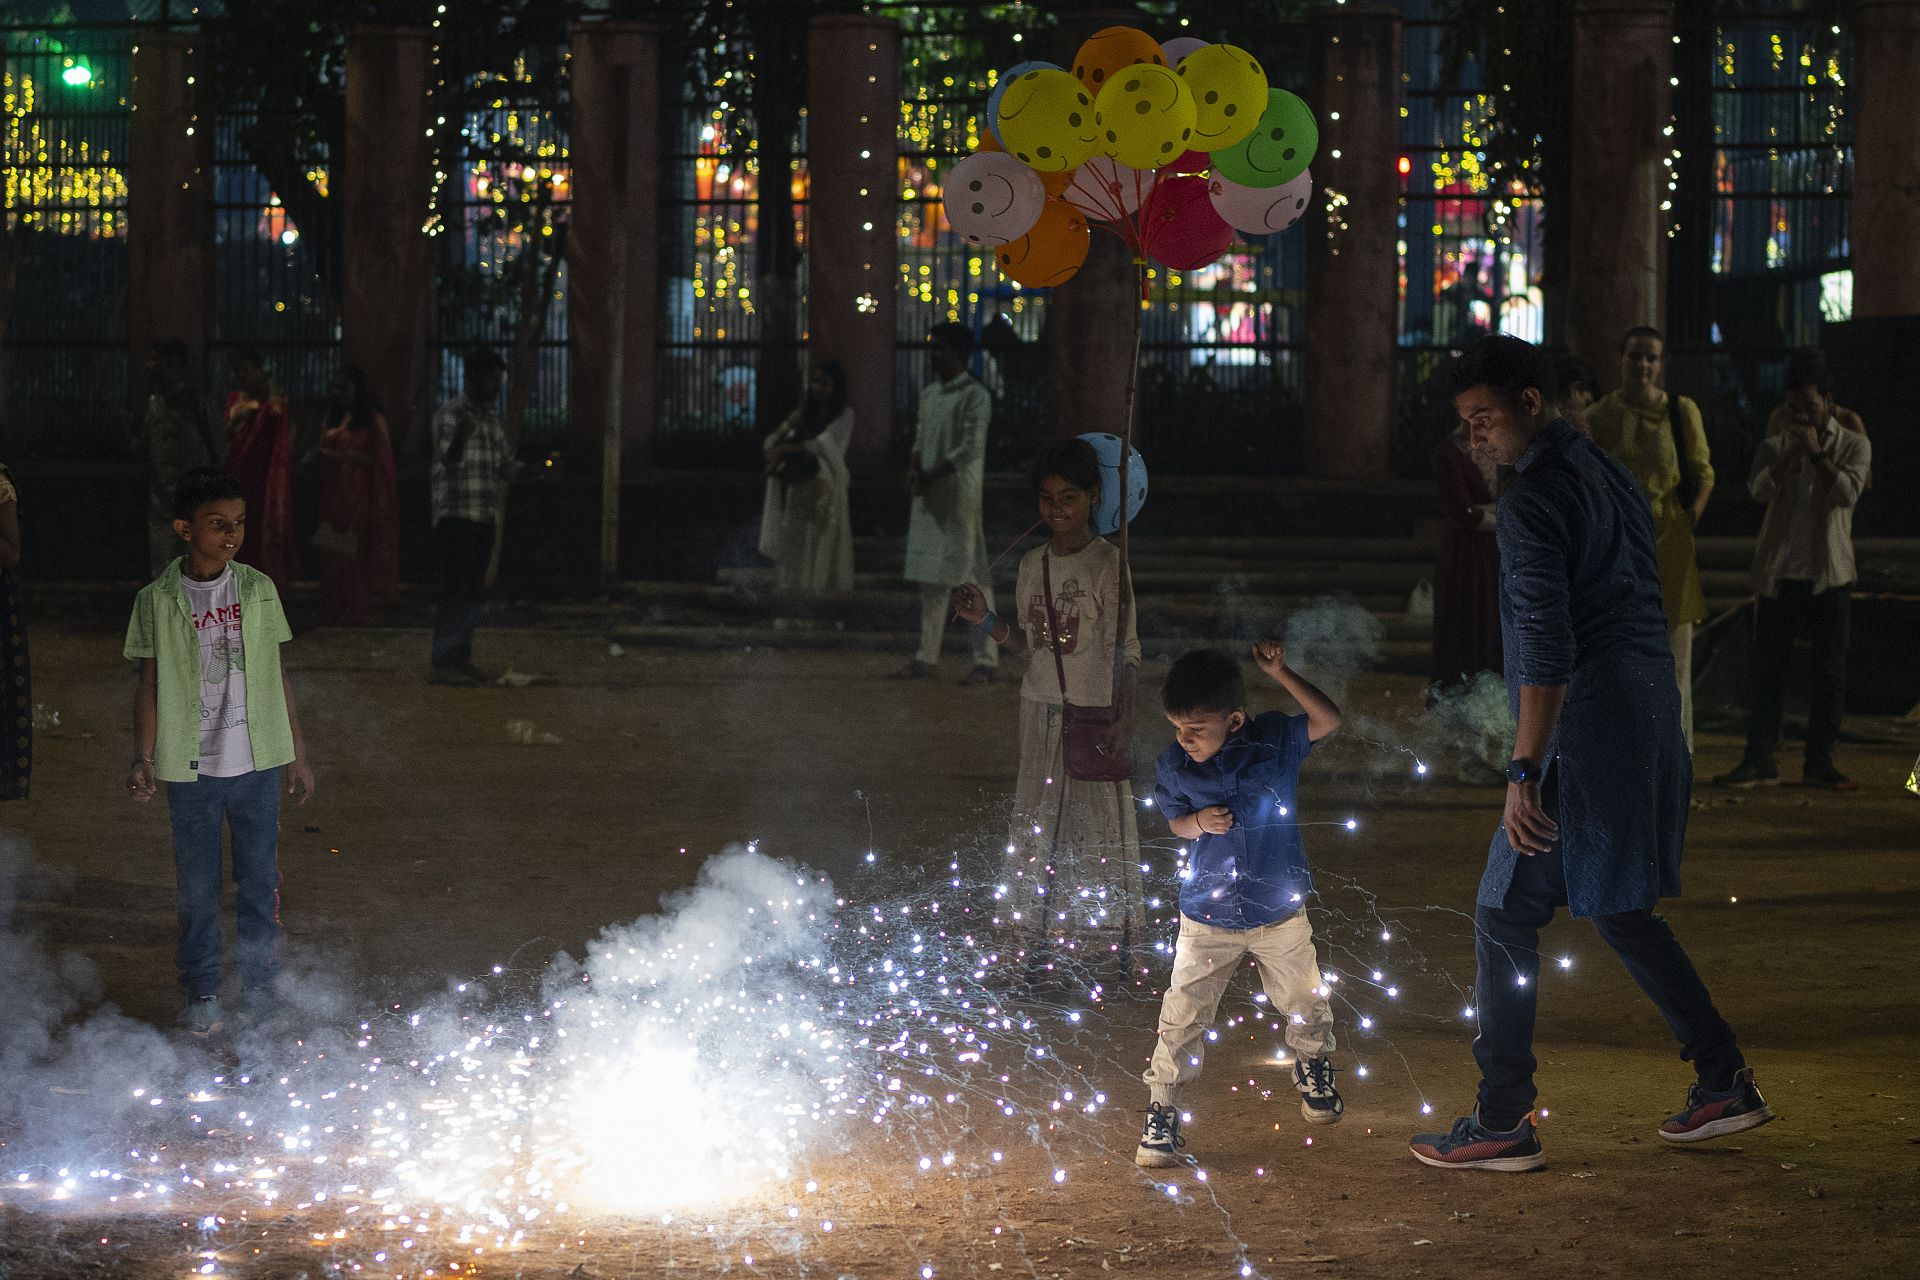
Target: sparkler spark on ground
point(764, 1033)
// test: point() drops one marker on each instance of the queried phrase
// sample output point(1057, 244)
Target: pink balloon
point(1179, 227)
point(1190, 162)
point(1108, 191)
point(1261, 211)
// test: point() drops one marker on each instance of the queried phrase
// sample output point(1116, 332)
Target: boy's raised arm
point(1323, 716)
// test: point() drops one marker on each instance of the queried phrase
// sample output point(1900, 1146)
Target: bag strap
point(1053, 623)
point(1680, 458)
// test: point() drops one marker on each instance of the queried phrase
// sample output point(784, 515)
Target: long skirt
point(1072, 872)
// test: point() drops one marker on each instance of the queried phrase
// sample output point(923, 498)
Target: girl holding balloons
point(1072, 873)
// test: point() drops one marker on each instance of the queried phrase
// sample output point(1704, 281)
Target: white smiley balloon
point(992, 199)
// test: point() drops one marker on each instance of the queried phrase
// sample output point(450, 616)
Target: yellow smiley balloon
point(1145, 116)
point(1229, 90)
point(1046, 121)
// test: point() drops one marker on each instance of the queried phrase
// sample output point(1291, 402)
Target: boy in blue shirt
point(214, 719)
point(1228, 785)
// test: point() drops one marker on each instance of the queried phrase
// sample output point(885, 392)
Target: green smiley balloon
point(1278, 150)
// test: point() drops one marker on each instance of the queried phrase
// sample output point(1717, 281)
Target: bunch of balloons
point(1172, 146)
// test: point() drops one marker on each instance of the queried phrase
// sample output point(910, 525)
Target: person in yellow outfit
point(1635, 425)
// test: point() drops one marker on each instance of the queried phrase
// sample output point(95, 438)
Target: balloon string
point(997, 560)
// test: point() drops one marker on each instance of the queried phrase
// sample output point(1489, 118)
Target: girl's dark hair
point(1072, 460)
point(1507, 364)
point(482, 360)
point(1203, 680)
point(362, 408)
point(1806, 367)
point(1641, 331)
point(952, 334)
point(200, 486)
point(816, 414)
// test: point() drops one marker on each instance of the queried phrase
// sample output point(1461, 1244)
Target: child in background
point(1228, 785)
point(214, 719)
point(1073, 855)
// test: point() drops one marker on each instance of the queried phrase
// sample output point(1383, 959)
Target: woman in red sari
point(359, 537)
point(259, 456)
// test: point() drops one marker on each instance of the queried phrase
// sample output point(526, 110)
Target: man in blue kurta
point(1597, 792)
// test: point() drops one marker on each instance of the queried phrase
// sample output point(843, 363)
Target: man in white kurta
point(946, 543)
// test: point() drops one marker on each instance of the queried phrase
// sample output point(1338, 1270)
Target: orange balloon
point(1108, 50)
point(1055, 183)
point(1051, 253)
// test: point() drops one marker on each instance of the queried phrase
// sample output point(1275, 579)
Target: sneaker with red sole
point(1716, 1113)
point(1471, 1145)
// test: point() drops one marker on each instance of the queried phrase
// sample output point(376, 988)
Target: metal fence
point(63, 163)
point(1766, 263)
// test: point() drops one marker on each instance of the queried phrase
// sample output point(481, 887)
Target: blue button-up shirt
point(1580, 607)
point(1256, 873)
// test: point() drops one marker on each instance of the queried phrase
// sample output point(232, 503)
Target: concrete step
point(1401, 656)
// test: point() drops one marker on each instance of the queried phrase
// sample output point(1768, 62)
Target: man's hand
point(1215, 819)
point(969, 605)
point(1529, 830)
point(1271, 657)
point(300, 781)
point(140, 783)
point(1808, 438)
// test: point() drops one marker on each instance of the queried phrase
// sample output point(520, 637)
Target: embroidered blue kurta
point(1256, 873)
point(1580, 607)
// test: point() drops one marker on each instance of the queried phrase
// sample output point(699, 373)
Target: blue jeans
point(1507, 948)
point(250, 807)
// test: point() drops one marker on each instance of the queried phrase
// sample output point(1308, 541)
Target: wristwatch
point(1522, 771)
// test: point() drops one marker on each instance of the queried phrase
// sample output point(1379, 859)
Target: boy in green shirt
point(214, 719)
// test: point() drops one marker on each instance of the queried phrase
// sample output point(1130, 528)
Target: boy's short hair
point(200, 486)
point(1507, 364)
point(1073, 460)
point(1203, 680)
point(1641, 331)
point(482, 360)
point(952, 335)
point(171, 349)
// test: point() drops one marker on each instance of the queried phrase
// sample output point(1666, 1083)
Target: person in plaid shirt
point(471, 462)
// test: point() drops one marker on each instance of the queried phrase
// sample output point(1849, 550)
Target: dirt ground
point(437, 847)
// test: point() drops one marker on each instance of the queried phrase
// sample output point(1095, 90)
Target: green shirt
point(162, 629)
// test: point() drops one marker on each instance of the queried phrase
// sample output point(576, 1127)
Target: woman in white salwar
point(1073, 893)
point(804, 525)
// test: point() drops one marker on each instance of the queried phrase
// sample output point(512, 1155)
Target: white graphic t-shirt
point(225, 749)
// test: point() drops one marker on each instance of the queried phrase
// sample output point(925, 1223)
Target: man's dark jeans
point(464, 548)
point(249, 805)
point(1507, 948)
point(1825, 618)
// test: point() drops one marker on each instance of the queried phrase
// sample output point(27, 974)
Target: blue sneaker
point(1471, 1145)
point(1715, 1114)
point(202, 1017)
point(1160, 1140)
point(1319, 1100)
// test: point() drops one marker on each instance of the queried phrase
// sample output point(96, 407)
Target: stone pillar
point(613, 279)
point(1353, 257)
point(1089, 345)
point(853, 261)
point(387, 257)
point(1622, 103)
point(1885, 102)
point(170, 210)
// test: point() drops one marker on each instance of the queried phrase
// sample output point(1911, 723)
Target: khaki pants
point(936, 609)
point(1204, 960)
point(1681, 638)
